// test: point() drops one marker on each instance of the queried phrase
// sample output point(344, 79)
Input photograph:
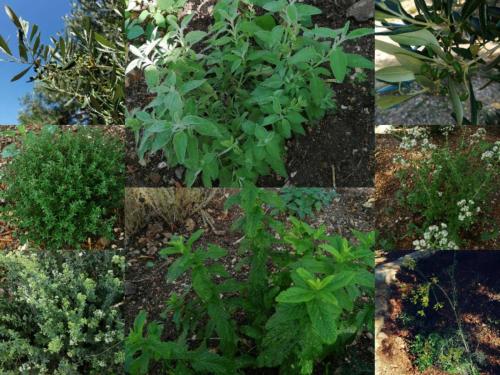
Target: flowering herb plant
point(447, 188)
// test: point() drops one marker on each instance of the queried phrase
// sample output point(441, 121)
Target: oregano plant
point(228, 99)
point(300, 302)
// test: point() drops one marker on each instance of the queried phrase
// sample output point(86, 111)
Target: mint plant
point(441, 48)
point(300, 303)
point(228, 99)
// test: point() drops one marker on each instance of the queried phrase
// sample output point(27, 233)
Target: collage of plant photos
point(250, 187)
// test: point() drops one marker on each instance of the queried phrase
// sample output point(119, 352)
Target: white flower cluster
point(435, 238)
point(445, 130)
point(467, 210)
point(478, 135)
point(399, 159)
point(493, 155)
point(414, 136)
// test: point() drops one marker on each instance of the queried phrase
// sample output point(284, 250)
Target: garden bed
point(478, 297)
point(146, 287)
point(337, 152)
point(393, 220)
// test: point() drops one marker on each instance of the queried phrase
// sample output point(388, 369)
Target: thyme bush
point(63, 187)
point(59, 313)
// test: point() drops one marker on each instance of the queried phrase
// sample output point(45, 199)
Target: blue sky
point(47, 14)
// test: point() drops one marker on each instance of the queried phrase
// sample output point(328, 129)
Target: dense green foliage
point(454, 37)
point(64, 186)
point(83, 68)
point(227, 100)
point(59, 313)
point(449, 187)
point(306, 296)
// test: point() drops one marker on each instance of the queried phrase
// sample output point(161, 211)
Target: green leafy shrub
point(303, 202)
point(228, 99)
point(449, 187)
point(64, 187)
point(301, 301)
point(59, 313)
point(441, 47)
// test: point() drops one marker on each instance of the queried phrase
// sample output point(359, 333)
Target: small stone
point(190, 225)
point(369, 203)
point(179, 172)
point(162, 165)
point(362, 10)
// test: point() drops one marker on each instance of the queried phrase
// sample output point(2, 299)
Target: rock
point(179, 172)
point(190, 225)
point(162, 165)
point(369, 203)
point(362, 11)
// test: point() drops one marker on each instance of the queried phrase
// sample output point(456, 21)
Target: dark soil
point(8, 239)
point(146, 287)
point(393, 221)
point(336, 152)
point(478, 296)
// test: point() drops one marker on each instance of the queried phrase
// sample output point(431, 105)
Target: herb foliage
point(302, 300)
point(228, 99)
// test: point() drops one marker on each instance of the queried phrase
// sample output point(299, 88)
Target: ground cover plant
point(446, 312)
point(303, 202)
point(63, 187)
point(441, 47)
point(306, 297)
point(446, 189)
point(228, 99)
point(79, 76)
point(60, 313)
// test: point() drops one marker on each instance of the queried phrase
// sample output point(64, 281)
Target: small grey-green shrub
point(59, 313)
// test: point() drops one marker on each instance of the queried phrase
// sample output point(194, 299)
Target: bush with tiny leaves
point(64, 187)
point(59, 313)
